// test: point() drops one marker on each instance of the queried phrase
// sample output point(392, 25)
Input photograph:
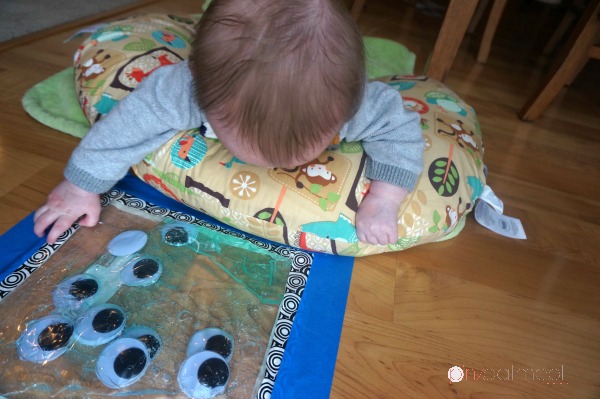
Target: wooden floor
point(521, 318)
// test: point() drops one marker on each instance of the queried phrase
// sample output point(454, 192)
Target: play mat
point(188, 280)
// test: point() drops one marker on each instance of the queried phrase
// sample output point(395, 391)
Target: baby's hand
point(377, 216)
point(65, 205)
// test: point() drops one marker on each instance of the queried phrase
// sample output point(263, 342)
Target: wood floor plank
point(486, 318)
point(532, 197)
point(480, 301)
point(17, 166)
point(521, 270)
point(375, 296)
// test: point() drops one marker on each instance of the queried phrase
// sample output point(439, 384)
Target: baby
point(276, 81)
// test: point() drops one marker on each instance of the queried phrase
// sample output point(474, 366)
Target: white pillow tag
point(489, 217)
point(83, 31)
point(209, 133)
point(488, 196)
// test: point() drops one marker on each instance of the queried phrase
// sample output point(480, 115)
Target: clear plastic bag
point(214, 280)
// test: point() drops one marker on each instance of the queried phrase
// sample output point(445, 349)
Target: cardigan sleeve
point(391, 136)
point(163, 104)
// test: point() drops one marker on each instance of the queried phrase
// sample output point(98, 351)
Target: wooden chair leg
point(490, 30)
point(456, 20)
point(481, 7)
point(357, 7)
point(576, 52)
point(566, 21)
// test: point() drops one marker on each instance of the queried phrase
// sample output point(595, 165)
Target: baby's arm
point(160, 106)
point(393, 141)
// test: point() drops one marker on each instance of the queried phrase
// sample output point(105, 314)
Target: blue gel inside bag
point(262, 272)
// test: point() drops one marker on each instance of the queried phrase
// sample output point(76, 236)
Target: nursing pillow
point(310, 207)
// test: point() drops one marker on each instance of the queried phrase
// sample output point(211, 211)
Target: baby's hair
point(282, 73)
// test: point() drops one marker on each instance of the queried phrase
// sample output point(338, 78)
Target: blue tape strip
point(308, 363)
point(17, 245)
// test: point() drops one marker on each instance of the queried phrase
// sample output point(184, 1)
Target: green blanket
point(54, 102)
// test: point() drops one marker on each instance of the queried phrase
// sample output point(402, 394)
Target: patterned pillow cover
point(310, 207)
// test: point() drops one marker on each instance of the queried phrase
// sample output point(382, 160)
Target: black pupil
point(219, 344)
point(55, 336)
point(107, 320)
point(83, 288)
point(145, 268)
point(152, 344)
point(130, 363)
point(213, 373)
point(177, 235)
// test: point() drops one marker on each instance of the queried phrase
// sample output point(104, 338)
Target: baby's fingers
point(361, 236)
point(38, 212)
point(62, 224)
point(377, 234)
point(42, 219)
point(368, 235)
point(90, 219)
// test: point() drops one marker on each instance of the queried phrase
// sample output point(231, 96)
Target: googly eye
point(45, 339)
point(204, 375)
point(77, 292)
point(211, 339)
point(100, 324)
point(147, 336)
point(178, 234)
point(122, 363)
point(142, 271)
point(127, 243)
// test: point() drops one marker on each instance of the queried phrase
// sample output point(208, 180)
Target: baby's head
point(277, 79)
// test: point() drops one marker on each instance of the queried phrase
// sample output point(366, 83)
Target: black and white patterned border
point(301, 263)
